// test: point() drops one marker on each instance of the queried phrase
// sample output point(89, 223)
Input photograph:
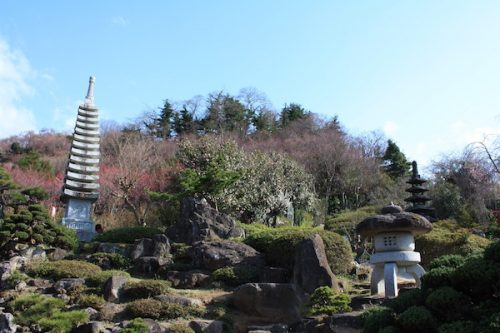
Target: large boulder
point(189, 279)
point(224, 253)
point(199, 221)
point(113, 287)
point(7, 323)
point(277, 302)
point(311, 269)
point(149, 254)
point(206, 326)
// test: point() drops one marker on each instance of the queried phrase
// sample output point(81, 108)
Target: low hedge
point(278, 244)
point(447, 238)
point(155, 309)
point(63, 269)
point(127, 234)
point(145, 288)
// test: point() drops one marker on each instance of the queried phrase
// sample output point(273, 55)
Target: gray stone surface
point(91, 327)
point(179, 300)
point(7, 323)
point(311, 269)
point(67, 284)
point(151, 254)
point(223, 253)
point(189, 279)
point(272, 301)
point(113, 287)
point(199, 222)
point(206, 326)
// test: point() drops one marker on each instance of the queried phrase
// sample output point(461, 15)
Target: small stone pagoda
point(81, 181)
point(418, 198)
point(393, 233)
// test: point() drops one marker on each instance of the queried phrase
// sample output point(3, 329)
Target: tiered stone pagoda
point(81, 181)
point(418, 198)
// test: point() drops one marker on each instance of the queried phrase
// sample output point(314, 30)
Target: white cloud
point(390, 127)
point(15, 71)
point(119, 21)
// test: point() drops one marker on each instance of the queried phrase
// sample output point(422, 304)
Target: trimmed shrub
point(447, 238)
point(345, 222)
point(127, 234)
point(477, 277)
point(437, 277)
point(235, 276)
point(450, 260)
point(180, 328)
point(376, 318)
point(64, 269)
point(136, 325)
point(145, 288)
point(31, 226)
point(278, 244)
point(14, 279)
point(47, 312)
point(155, 309)
point(180, 252)
point(458, 327)
point(448, 304)
point(324, 300)
point(406, 299)
point(110, 260)
point(417, 319)
point(92, 301)
point(492, 252)
point(99, 279)
point(388, 329)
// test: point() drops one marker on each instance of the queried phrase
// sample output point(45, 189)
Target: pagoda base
point(77, 217)
point(85, 230)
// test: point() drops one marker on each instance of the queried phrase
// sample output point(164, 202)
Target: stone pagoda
point(418, 198)
point(81, 181)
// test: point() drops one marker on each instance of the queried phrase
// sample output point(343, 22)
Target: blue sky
point(426, 73)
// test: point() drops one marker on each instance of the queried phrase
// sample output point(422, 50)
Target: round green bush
point(278, 244)
point(145, 288)
point(437, 277)
point(477, 278)
point(416, 319)
point(324, 300)
point(492, 252)
point(448, 304)
point(376, 318)
point(458, 327)
point(127, 234)
point(450, 260)
point(406, 299)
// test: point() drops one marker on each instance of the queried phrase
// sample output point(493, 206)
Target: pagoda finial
point(89, 100)
point(414, 170)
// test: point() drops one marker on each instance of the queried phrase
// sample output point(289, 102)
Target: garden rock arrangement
point(199, 221)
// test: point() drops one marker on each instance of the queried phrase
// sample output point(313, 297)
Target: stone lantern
point(393, 233)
